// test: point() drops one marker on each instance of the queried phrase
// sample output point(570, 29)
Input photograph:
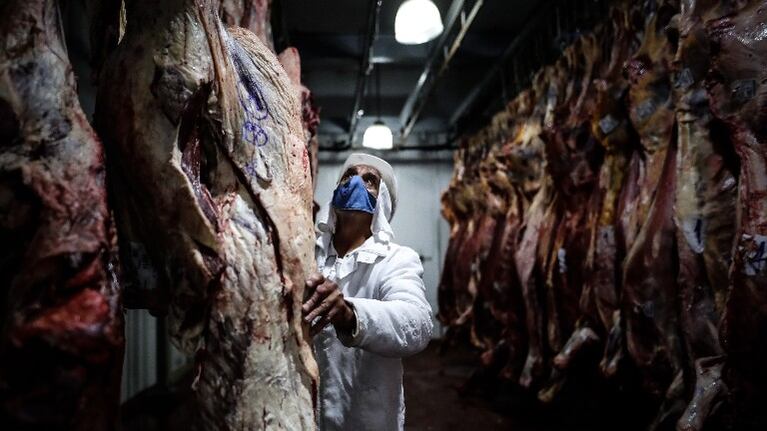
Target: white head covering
point(385, 202)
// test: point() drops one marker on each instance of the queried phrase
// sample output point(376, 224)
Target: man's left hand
point(328, 303)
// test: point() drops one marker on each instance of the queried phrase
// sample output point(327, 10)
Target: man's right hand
point(327, 302)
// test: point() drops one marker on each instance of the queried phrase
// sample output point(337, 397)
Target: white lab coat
point(361, 373)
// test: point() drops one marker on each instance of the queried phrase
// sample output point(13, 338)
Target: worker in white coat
point(367, 307)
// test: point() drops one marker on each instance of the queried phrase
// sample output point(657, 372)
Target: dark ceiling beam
point(386, 49)
point(497, 71)
point(335, 47)
point(438, 61)
point(365, 65)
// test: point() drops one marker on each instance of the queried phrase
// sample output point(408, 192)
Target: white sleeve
point(399, 324)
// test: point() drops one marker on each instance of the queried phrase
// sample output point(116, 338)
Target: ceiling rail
point(365, 66)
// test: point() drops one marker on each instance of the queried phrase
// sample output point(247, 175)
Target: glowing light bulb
point(417, 21)
point(378, 137)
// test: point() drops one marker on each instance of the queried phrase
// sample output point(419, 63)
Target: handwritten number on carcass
point(758, 259)
point(255, 110)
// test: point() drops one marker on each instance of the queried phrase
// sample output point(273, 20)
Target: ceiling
point(330, 36)
point(503, 45)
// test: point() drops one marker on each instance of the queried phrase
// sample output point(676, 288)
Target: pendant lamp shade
point(417, 21)
point(378, 137)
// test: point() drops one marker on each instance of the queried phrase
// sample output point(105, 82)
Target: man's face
point(369, 174)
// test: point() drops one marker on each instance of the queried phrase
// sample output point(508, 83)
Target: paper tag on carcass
point(562, 260)
point(755, 258)
point(694, 233)
point(608, 123)
point(551, 94)
point(684, 79)
point(645, 109)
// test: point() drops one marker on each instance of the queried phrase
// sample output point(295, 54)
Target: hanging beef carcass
point(254, 15)
point(61, 344)
point(515, 165)
point(562, 96)
point(610, 126)
point(310, 114)
point(738, 92)
point(206, 154)
point(524, 158)
point(556, 96)
point(446, 287)
point(524, 152)
point(574, 158)
point(706, 194)
point(574, 174)
point(457, 210)
point(500, 288)
point(535, 242)
point(486, 328)
point(471, 198)
point(651, 113)
point(488, 209)
point(649, 281)
point(650, 292)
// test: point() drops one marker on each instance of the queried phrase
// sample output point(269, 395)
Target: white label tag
point(562, 260)
point(684, 79)
point(755, 259)
point(645, 109)
point(608, 124)
point(694, 231)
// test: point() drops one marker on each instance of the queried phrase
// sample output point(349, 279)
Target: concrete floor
point(438, 398)
point(433, 385)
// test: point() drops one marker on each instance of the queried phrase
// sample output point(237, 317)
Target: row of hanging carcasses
point(619, 206)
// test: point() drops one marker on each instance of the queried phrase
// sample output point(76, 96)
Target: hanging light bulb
point(417, 21)
point(378, 137)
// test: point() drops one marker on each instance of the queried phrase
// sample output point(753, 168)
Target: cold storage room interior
point(383, 215)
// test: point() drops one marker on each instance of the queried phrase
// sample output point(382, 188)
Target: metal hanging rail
point(370, 37)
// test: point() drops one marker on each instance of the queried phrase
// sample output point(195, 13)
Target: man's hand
point(327, 302)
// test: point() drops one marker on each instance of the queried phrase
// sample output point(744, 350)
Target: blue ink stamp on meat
point(255, 110)
point(755, 259)
point(254, 106)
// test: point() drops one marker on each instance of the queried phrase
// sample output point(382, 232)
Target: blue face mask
point(353, 196)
